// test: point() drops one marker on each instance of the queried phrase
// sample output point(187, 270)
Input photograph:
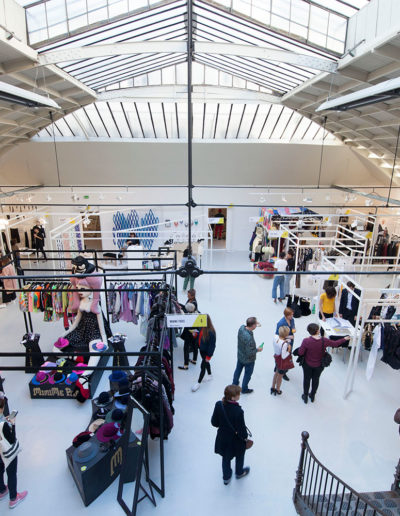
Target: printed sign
point(334, 277)
point(275, 233)
point(216, 220)
point(256, 219)
point(186, 320)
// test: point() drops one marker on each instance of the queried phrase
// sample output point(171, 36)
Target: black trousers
point(11, 478)
point(311, 375)
point(40, 249)
point(349, 316)
point(189, 345)
point(204, 366)
point(327, 316)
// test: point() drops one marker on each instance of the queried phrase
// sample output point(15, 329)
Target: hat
point(190, 307)
point(115, 416)
point(79, 368)
point(57, 378)
point(102, 412)
point(123, 383)
point(86, 452)
point(71, 378)
point(99, 346)
point(48, 364)
point(40, 378)
point(78, 359)
point(93, 427)
point(60, 362)
point(108, 431)
point(117, 376)
point(123, 391)
point(61, 343)
point(103, 399)
point(81, 438)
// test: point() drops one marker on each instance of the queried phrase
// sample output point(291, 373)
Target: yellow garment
point(328, 305)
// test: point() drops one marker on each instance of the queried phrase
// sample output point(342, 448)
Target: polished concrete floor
point(355, 438)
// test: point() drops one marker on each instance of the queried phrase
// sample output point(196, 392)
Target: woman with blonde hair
point(282, 349)
point(206, 342)
point(228, 417)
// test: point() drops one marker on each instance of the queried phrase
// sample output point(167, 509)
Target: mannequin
point(258, 243)
point(88, 329)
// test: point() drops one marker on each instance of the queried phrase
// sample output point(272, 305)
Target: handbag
point(8, 451)
point(284, 363)
point(327, 357)
point(248, 442)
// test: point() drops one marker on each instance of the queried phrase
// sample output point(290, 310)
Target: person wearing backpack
point(228, 417)
point(313, 349)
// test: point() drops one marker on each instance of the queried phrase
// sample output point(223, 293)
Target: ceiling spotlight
point(48, 197)
point(29, 199)
point(263, 200)
point(101, 197)
point(284, 198)
point(86, 221)
point(75, 197)
point(307, 199)
point(328, 197)
point(347, 198)
point(119, 198)
point(368, 202)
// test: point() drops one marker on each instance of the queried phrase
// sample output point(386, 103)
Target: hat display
point(123, 383)
point(108, 431)
point(93, 427)
point(79, 368)
point(86, 452)
point(99, 346)
point(48, 364)
point(61, 343)
point(123, 391)
point(61, 361)
point(81, 438)
point(57, 378)
point(102, 412)
point(115, 416)
point(40, 378)
point(117, 376)
point(103, 399)
point(72, 378)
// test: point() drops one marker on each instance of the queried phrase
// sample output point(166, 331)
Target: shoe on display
point(285, 377)
point(304, 397)
point(20, 497)
point(195, 387)
point(4, 493)
point(226, 482)
point(208, 378)
point(248, 391)
point(246, 471)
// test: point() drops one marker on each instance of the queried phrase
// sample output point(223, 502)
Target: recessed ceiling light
point(307, 199)
point(263, 200)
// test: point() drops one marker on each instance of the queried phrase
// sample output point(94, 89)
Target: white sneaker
point(208, 378)
point(195, 387)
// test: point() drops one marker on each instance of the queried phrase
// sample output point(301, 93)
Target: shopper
point(189, 336)
point(16, 256)
point(191, 294)
point(246, 354)
point(38, 239)
point(219, 226)
point(228, 417)
point(8, 459)
point(189, 279)
point(313, 349)
point(206, 341)
point(327, 304)
point(282, 349)
point(287, 320)
point(348, 306)
point(279, 279)
point(290, 267)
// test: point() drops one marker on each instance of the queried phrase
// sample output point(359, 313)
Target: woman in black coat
point(230, 442)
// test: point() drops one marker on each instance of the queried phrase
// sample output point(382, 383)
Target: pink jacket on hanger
point(9, 284)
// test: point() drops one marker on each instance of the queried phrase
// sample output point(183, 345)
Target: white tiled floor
point(356, 438)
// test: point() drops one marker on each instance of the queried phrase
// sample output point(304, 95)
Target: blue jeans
point(278, 281)
point(248, 371)
point(226, 466)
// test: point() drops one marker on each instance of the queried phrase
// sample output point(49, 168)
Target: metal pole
point(190, 204)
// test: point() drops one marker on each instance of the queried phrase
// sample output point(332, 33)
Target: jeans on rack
point(226, 466)
point(248, 371)
point(11, 478)
point(279, 281)
point(205, 365)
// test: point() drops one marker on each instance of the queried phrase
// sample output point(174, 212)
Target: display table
point(336, 328)
point(93, 478)
point(63, 390)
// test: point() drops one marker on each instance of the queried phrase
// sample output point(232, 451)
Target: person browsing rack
point(279, 279)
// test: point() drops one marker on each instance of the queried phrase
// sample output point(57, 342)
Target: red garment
point(314, 349)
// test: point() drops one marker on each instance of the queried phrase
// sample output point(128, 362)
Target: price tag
point(285, 234)
point(334, 277)
point(216, 220)
point(186, 320)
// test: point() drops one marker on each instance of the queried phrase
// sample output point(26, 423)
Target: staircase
point(321, 493)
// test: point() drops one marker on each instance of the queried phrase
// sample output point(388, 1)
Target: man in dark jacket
point(247, 352)
point(348, 306)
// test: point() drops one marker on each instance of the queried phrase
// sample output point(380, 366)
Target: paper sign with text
point(186, 320)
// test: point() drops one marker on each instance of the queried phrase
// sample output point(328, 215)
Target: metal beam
point(200, 47)
point(219, 94)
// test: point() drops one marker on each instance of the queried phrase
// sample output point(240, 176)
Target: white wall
point(165, 163)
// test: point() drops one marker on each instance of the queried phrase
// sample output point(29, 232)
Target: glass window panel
point(242, 6)
point(319, 19)
point(261, 15)
point(77, 22)
point(281, 125)
point(137, 4)
point(281, 8)
point(170, 117)
point(247, 120)
point(107, 119)
point(36, 17)
point(154, 78)
point(225, 79)
point(298, 135)
point(312, 131)
point(39, 35)
point(271, 120)
point(168, 75)
point(120, 119)
point(62, 128)
point(298, 30)
point(182, 117)
point(198, 73)
point(181, 73)
point(75, 127)
point(55, 11)
point(291, 126)
point(85, 123)
point(317, 38)
point(158, 119)
point(236, 114)
point(117, 7)
point(335, 45)
point(140, 80)
point(128, 83)
point(96, 121)
point(197, 119)
point(145, 119)
point(75, 8)
point(211, 76)
point(279, 22)
point(238, 82)
point(337, 27)
point(133, 119)
point(258, 122)
point(222, 120)
point(209, 122)
point(300, 12)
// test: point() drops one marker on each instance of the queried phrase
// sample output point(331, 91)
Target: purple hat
point(109, 431)
point(48, 364)
point(71, 378)
point(40, 378)
point(80, 368)
point(99, 346)
point(57, 378)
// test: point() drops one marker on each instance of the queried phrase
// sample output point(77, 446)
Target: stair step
point(387, 501)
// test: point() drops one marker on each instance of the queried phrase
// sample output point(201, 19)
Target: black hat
point(123, 391)
point(103, 399)
point(81, 438)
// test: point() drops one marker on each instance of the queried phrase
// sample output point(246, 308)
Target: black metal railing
point(320, 492)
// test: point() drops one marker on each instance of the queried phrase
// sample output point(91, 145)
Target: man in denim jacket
point(247, 352)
